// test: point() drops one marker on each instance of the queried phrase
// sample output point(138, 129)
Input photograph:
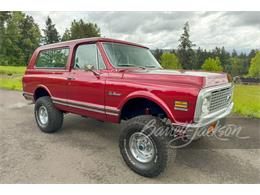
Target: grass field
point(246, 97)
point(11, 82)
point(247, 100)
point(11, 77)
point(10, 70)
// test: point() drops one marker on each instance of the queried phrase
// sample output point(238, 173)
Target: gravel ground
point(86, 151)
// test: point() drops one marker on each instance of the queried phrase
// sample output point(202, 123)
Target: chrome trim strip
point(27, 93)
point(110, 113)
point(78, 103)
point(80, 107)
point(28, 96)
point(111, 109)
point(113, 93)
point(87, 106)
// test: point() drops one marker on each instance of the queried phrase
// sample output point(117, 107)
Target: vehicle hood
point(200, 78)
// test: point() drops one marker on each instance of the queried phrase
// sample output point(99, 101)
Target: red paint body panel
point(160, 86)
point(87, 88)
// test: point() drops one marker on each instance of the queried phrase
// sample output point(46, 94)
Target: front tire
point(47, 117)
point(143, 151)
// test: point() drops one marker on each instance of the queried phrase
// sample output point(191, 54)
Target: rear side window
point(53, 58)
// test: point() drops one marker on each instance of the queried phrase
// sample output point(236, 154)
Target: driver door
point(86, 89)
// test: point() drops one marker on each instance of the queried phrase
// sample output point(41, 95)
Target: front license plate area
point(211, 128)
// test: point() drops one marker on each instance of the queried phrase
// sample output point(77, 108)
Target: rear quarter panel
point(53, 80)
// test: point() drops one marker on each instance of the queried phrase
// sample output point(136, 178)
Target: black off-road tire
point(55, 116)
point(163, 154)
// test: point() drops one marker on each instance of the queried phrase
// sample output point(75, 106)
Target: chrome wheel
point(142, 147)
point(43, 115)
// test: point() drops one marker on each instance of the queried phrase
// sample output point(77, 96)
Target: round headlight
point(205, 105)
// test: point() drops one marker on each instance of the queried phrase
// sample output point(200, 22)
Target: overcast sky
point(239, 30)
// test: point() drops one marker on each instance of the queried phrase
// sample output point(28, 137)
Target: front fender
point(149, 96)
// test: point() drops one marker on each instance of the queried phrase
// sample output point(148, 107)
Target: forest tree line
point(20, 35)
point(217, 60)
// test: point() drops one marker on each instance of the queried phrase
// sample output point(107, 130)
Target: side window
point(86, 55)
point(53, 58)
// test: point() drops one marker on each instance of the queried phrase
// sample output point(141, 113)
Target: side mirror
point(91, 68)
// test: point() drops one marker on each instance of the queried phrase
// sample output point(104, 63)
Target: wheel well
point(40, 92)
point(141, 106)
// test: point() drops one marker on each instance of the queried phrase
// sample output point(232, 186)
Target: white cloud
point(239, 30)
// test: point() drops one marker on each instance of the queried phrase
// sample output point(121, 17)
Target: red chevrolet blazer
point(113, 80)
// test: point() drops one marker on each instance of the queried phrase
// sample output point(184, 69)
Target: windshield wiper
point(136, 66)
point(126, 65)
point(150, 66)
point(131, 65)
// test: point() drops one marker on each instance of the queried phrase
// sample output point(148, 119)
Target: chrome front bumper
point(211, 118)
point(192, 131)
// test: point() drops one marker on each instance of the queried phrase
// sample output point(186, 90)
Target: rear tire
point(149, 159)
point(47, 117)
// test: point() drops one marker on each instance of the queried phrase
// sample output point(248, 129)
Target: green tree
point(31, 37)
point(80, 29)
point(224, 58)
point(170, 61)
point(212, 64)
point(66, 36)
point(21, 37)
point(4, 17)
point(252, 54)
point(234, 53)
point(245, 63)
point(157, 54)
point(254, 69)
point(236, 66)
point(222, 54)
point(13, 54)
point(201, 56)
point(51, 34)
point(185, 52)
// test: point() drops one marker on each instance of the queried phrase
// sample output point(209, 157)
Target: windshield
point(121, 55)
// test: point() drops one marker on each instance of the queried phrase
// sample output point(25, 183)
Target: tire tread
point(55, 116)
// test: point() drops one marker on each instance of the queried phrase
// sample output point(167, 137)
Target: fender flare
point(149, 96)
point(41, 86)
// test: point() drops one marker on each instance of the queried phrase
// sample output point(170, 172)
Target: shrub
point(170, 61)
point(212, 64)
point(254, 69)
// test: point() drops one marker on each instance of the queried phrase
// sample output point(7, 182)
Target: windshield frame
point(127, 67)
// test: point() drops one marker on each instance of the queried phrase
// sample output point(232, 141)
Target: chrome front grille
point(220, 99)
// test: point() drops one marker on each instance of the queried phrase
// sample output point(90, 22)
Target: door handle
point(70, 78)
